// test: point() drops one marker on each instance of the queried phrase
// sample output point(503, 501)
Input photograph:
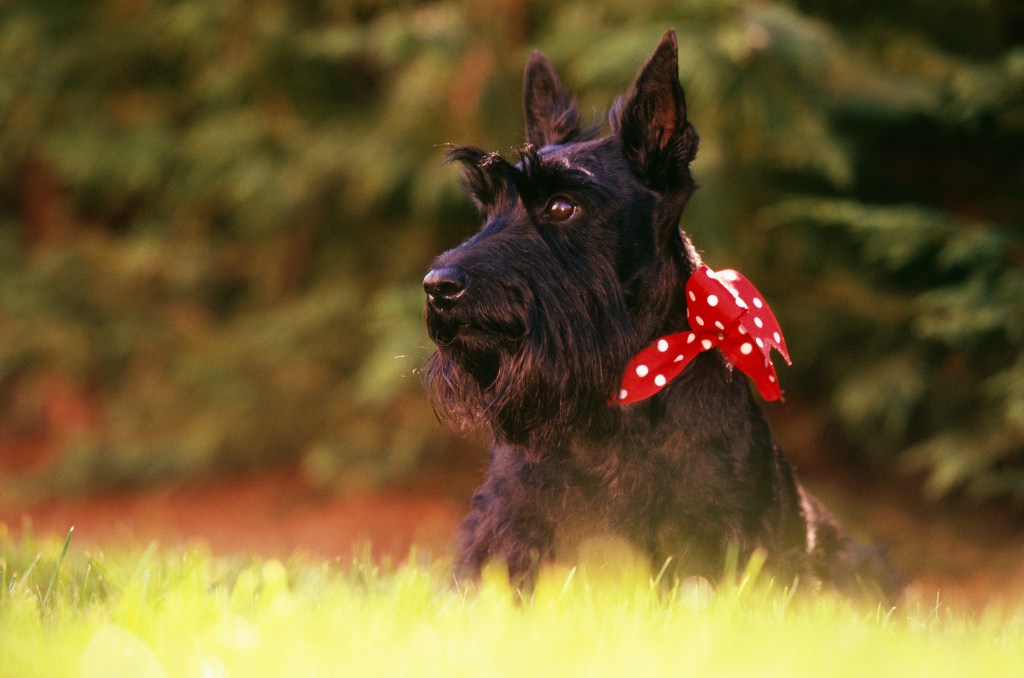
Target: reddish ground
point(969, 555)
point(270, 514)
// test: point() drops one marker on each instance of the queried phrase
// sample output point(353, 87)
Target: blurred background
point(215, 216)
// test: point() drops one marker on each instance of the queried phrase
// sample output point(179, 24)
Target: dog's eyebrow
point(568, 165)
point(538, 177)
point(487, 176)
point(491, 179)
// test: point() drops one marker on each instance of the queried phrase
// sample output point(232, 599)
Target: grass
point(183, 612)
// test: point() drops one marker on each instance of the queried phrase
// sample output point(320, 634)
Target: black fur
point(535, 318)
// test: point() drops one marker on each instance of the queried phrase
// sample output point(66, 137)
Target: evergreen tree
point(214, 215)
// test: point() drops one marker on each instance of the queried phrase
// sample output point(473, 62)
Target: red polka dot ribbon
point(725, 311)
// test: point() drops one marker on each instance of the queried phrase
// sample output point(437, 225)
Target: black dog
point(579, 266)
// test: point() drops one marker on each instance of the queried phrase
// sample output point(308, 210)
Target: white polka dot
point(679, 359)
point(719, 325)
point(712, 300)
point(692, 338)
point(760, 343)
point(758, 322)
point(659, 380)
point(622, 394)
point(729, 275)
point(742, 329)
point(662, 345)
point(700, 321)
point(693, 297)
point(706, 344)
point(746, 348)
point(777, 337)
point(771, 378)
point(642, 370)
point(741, 303)
point(758, 302)
point(711, 274)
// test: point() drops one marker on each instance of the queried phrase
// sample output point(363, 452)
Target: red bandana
point(727, 312)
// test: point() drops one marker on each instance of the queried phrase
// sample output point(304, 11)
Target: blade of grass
point(656, 582)
point(56, 567)
point(28, 571)
point(568, 583)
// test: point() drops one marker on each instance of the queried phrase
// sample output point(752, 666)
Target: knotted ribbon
point(725, 311)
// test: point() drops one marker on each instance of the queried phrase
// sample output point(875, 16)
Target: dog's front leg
point(495, 530)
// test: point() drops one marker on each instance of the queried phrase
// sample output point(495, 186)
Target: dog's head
point(579, 261)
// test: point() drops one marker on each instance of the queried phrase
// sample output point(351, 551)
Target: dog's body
point(579, 265)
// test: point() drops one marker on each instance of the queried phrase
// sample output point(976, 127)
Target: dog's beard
point(538, 374)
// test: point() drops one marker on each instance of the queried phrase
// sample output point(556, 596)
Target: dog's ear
point(651, 121)
point(551, 115)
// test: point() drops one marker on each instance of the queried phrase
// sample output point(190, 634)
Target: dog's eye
point(559, 209)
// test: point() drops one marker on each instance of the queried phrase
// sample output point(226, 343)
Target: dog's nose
point(445, 286)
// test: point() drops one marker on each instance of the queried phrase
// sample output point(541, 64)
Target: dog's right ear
point(551, 115)
point(651, 121)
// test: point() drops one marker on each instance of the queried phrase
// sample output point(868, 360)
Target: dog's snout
point(445, 286)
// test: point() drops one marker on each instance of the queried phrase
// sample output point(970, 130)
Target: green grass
point(183, 612)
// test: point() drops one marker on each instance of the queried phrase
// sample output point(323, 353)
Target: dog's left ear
point(650, 119)
point(551, 115)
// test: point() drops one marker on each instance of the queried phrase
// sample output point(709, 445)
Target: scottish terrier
point(581, 329)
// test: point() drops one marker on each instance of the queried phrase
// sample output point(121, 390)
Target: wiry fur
point(535, 319)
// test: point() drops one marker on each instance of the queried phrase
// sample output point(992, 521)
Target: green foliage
point(937, 329)
point(157, 613)
point(214, 215)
